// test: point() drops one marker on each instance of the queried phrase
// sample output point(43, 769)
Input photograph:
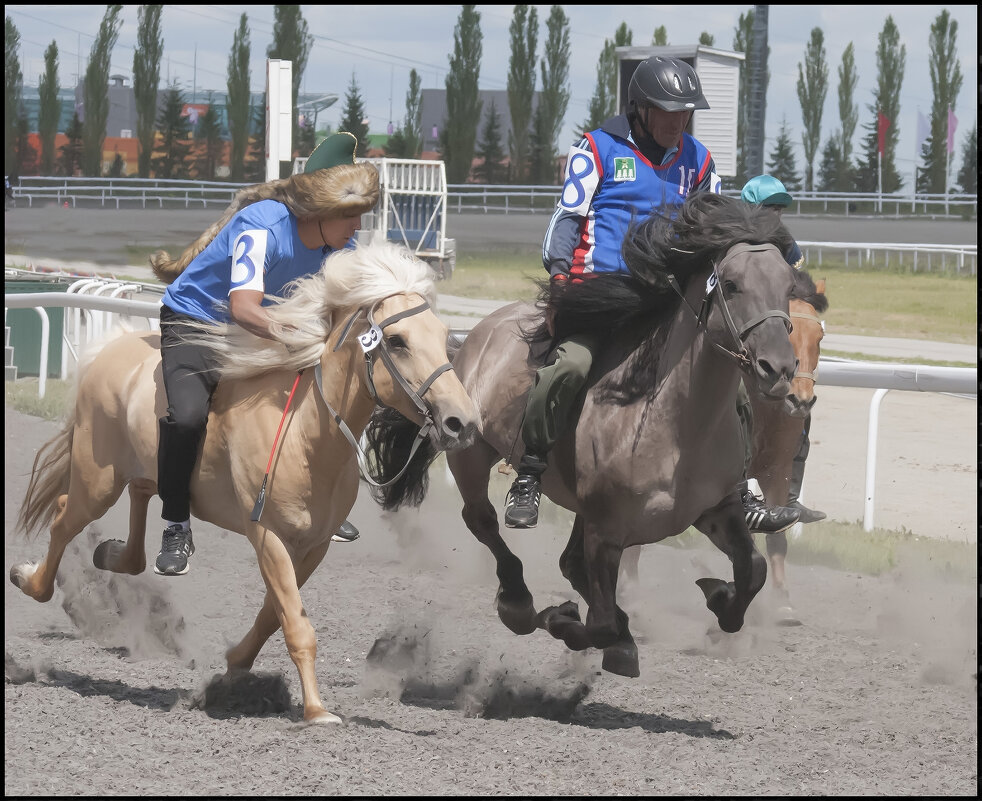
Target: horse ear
point(820, 286)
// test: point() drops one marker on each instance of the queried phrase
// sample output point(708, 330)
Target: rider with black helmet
point(634, 164)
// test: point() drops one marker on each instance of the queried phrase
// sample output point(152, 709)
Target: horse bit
point(373, 344)
point(739, 354)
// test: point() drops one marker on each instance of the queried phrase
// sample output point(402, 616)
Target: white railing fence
point(832, 372)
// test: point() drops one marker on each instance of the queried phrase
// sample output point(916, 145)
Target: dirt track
point(875, 694)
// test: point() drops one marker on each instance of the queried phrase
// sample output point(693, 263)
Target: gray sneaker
point(522, 503)
point(346, 533)
point(176, 547)
point(764, 519)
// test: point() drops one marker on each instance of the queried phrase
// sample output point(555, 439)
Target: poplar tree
point(407, 141)
point(603, 104)
point(813, 85)
point(353, 120)
point(742, 37)
point(70, 158)
point(554, 98)
point(660, 37)
point(459, 130)
point(524, 30)
point(891, 58)
point(146, 82)
point(706, 39)
point(946, 83)
point(968, 177)
point(291, 42)
point(49, 111)
point(13, 80)
point(95, 91)
point(848, 118)
point(238, 105)
point(207, 144)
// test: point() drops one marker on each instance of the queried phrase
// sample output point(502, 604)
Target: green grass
point(882, 303)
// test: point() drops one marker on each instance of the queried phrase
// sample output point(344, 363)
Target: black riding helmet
point(668, 83)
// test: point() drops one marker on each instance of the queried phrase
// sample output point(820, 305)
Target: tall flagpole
point(947, 159)
point(879, 180)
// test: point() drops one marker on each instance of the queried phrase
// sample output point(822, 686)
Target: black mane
point(804, 289)
point(633, 307)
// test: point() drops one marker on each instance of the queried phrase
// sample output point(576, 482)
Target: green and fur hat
point(351, 188)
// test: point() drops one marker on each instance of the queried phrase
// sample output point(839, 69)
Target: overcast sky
point(379, 45)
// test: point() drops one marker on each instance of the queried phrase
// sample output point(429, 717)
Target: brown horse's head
point(808, 301)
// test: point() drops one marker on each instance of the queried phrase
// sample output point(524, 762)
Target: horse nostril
point(453, 425)
point(811, 401)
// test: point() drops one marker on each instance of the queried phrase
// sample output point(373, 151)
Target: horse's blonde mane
point(305, 316)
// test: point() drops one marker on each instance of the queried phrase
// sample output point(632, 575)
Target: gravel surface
point(109, 685)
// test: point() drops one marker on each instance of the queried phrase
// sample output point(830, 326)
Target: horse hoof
point(322, 718)
point(622, 660)
point(19, 574)
point(518, 616)
point(786, 617)
point(109, 554)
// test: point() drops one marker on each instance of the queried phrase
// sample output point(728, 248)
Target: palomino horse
point(110, 441)
point(657, 447)
point(778, 427)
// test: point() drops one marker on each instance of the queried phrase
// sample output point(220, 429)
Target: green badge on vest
point(624, 169)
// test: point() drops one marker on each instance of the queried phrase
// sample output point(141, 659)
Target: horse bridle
point(373, 345)
point(739, 353)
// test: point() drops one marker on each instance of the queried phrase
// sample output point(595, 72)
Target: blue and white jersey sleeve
point(249, 250)
point(583, 176)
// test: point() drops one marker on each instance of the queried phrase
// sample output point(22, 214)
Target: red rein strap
point(283, 420)
point(257, 510)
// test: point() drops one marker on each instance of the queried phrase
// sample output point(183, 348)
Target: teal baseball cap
point(766, 190)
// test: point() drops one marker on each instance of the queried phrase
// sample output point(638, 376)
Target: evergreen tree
point(813, 85)
point(848, 118)
point(830, 165)
point(70, 160)
point(660, 37)
point(540, 172)
point(604, 101)
point(782, 162)
point(170, 157)
point(968, 177)
point(116, 168)
point(238, 105)
point(27, 156)
point(459, 129)
point(146, 82)
point(13, 85)
point(95, 91)
point(291, 42)
point(524, 31)
point(891, 58)
point(490, 150)
point(49, 112)
point(306, 137)
point(554, 98)
point(354, 121)
point(207, 144)
point(946, 83)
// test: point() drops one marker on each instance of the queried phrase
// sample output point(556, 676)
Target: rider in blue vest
point(271, 234)
point(634, 164)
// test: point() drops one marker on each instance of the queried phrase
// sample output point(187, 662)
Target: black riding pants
point(190, 374)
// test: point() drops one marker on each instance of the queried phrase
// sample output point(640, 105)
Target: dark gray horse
point(658, 445)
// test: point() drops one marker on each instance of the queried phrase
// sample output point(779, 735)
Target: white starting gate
point(412, 209)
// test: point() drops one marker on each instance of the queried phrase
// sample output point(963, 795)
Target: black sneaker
point(806, 515)
point(346, 533)
point(522, 503)
point(176, 547)
point(767, 519)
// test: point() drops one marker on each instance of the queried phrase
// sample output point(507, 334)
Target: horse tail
point(390, 438)
point(49, 481)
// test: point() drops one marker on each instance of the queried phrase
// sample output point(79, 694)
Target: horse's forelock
point(368, 273)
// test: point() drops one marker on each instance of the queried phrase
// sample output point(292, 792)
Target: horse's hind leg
point(726, 526)
point(129, 557)
point(75, 510)
point(243, 655)
point(470, 468)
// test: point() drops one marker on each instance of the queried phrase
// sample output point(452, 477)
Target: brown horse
point(110, 444)
point(778, 428)
point(657, 446)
